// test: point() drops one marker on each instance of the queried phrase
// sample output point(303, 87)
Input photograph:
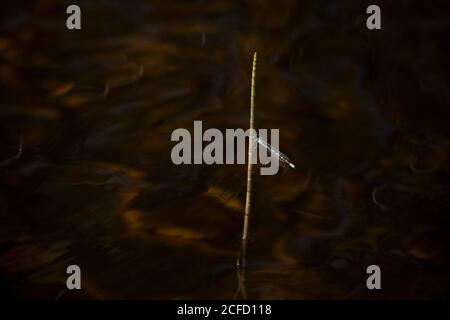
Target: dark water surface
point(86, 176)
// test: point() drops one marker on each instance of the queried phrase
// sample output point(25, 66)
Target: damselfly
point(282, 158)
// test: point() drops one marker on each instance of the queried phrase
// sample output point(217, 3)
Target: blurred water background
point(86, 176)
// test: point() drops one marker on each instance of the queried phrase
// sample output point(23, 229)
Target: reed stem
point(250, 153)
point(242, 258)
